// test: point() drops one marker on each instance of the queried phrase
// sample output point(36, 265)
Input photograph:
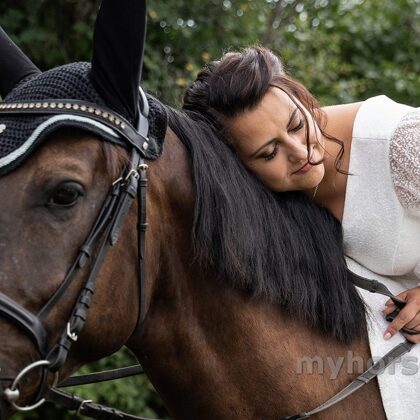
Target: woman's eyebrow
point(292, 115)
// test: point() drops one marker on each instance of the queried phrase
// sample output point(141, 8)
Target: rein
point(379, 366)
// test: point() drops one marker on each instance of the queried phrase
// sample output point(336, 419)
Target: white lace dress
point(381, 224)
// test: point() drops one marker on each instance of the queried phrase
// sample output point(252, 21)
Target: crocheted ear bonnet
point(103, 98)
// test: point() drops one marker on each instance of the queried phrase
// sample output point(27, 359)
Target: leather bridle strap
point(372, 286)
point(107, 375)
point(87, 407)
point(107, 227)
point(25, 320)
point(102, 236)
point(32, 324)
point(86, 250)
point(126, 191)
point(142, 226)
point(375, 286)
point(361, 380)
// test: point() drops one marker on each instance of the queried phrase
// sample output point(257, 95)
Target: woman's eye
point(297, 127)
point(66, 195)
point(272, 154)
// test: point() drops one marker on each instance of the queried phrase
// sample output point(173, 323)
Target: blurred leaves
point(343, 50)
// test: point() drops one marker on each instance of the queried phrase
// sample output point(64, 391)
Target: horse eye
point(66, 195)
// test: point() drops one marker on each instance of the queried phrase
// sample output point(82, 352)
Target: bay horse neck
point(211, 351)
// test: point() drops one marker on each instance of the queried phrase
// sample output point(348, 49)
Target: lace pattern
point(404, 154)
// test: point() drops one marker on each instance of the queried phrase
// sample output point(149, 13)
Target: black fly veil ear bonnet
point(102, 97)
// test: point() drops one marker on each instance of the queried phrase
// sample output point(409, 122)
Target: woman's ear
point(118, 48)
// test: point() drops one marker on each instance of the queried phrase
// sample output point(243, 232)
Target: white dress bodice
point(381, 223)
point(381, 219)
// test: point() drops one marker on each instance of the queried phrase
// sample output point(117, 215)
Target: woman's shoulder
point(375, 117)
point(378, 117)
point(340, 119)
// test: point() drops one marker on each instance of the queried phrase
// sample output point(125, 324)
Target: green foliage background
point(342, 50)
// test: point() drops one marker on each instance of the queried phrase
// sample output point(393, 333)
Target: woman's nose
point(296, 151)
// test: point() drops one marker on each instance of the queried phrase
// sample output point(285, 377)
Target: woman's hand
point(408, 317)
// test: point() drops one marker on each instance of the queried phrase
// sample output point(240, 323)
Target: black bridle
point(104, 234)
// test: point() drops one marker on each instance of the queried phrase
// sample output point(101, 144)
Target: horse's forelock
point(115, 157)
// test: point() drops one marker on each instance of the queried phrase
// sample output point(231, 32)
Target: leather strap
point(107, 227)
point(85, 251)
point(25, 320)
point(122, 203)
point(107, 375)
point(141, 238)
point(361, 380)
point(372, 286)
point(375, 286)
point(87, 407)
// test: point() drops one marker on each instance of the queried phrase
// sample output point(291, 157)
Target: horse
point(210, 349)
point(248, 311)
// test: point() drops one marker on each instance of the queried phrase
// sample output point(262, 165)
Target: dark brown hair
point(238, 82)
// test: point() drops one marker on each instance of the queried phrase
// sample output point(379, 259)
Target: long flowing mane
point(277, 246)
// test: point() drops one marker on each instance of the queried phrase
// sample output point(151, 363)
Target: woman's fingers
point(414, 323)
point(414, 338)
point(389, 309)
point(400, 296)
point(406, 315)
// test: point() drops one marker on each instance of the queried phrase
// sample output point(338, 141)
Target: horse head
point(73, 146)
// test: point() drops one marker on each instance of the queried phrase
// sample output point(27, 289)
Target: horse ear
point(14, 64)
point(118, 47)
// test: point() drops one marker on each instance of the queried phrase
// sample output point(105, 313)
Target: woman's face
point(271, 142)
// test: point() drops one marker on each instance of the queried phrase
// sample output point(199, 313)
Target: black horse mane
point(277, 246)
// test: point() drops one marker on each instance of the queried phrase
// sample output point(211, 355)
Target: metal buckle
point(117, 181)
point(132, 172)
point(142, 167)
point(78, 413)
point(70, 334)
point(12, 394)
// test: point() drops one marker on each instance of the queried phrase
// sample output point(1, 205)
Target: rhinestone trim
point(106, 115)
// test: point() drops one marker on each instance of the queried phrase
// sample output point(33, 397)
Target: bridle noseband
point(105, 232)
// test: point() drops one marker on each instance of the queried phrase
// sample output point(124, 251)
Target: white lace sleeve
point(404, 156)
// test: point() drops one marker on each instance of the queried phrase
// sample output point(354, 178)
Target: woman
point(360, 160)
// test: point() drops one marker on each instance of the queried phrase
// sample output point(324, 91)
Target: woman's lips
point(306, 167)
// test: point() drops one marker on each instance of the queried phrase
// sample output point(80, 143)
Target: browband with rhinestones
point(101, 114)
